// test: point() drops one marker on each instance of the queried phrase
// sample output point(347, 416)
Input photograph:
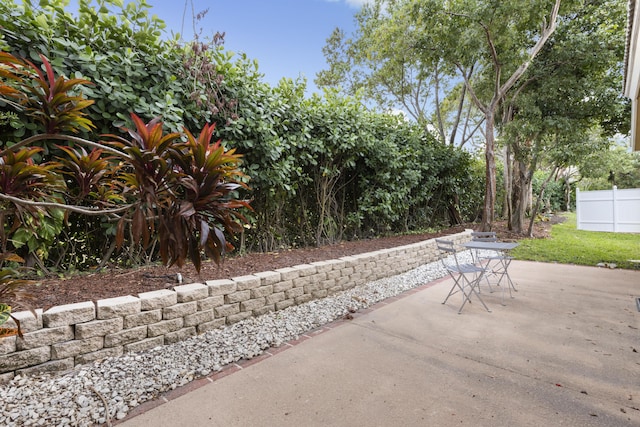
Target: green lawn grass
point(568, 245)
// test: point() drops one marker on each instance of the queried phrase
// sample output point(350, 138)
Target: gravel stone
point(76, 397)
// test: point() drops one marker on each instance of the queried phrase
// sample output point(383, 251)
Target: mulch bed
point(117, 282)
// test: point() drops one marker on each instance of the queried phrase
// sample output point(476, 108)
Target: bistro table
point(499, 263)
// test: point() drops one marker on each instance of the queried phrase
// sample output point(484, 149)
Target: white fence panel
point(609, 210)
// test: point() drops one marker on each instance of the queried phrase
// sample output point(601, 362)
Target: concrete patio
point(564, 351)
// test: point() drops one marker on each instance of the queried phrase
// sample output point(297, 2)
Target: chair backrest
point(445, 246)
point(484, 236)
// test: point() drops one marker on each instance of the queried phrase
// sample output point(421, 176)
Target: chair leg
point(456, 284)
point(474, 287)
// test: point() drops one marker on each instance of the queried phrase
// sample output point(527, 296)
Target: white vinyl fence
point(613, 210)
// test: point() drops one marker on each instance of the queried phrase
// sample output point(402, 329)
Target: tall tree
point(419, 53)
point(568, 101)
point(491, 44)
point(382, 60)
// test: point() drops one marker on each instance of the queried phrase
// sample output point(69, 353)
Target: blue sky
point(286, 37)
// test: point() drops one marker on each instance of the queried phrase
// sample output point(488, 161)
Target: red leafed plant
point(208, 177)
point(50, 102)
point(183, 190)
point(173, 187)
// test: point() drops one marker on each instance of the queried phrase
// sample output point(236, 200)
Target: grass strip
point(568, 245)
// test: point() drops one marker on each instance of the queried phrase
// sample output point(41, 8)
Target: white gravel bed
point(79, 397)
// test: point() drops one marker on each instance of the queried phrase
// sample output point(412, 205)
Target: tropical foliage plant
point(323, 167)
point(181, 192)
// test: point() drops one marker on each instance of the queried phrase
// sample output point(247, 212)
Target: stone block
point(281, 305)
point(48, 367)
point(349, 261)
point(333, 274)
point(237, 296)
point(244, 283)
point(262, 291)
point(355, 276)
point(144, 318)
point(252, 304)
point(227, 310)
point(235, 318)
point(221, 287)
point(144, 345)
point(311, 287)
point(320, 293)
point(348, 285)
point(347, 271)
point(334, 290)
point(268, 278)
point(293, 293)
point(318, 277)
point(179, 310)
point(83, 359)
point(44, 337)
point(301, 282)
point(338, 264)
point(274, 298)
point(198, 318)
point(69, 314)
point(191, 292)
point(209, 326)
point(5, 378)
point(305, 269)
point(303, 298)
point(165, 327)
point(155, 300)
point(23, 359)
point(283, 286)
point(98, 328)
point(365, 257)
point(181, 335)
point(118, 307)
point(342, 281)
point(28, 323)
point(210, 303)
point(125, 336)
point(288, 273)
point(327, 284)
point(264, 310)
point(76, 347)
point(7, 345)
point(323, 266)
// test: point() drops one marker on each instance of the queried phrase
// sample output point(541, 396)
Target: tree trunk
point(508, 184)
point(537, 204)
point(490, 185)
point(567, 191)
point(520, 196)
point(454, 212)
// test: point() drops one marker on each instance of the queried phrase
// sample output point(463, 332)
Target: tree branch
point(60, 137)
point(71, 208)
point(547, 30)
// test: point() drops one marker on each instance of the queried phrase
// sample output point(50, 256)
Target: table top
point(492, 246)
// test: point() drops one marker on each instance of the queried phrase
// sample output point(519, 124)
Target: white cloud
point(353, 3)
point(358, 3)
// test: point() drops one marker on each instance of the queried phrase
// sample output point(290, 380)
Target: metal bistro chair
point(496, 264)
point(466, 277)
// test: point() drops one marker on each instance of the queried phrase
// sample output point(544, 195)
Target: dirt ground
point(114, 283)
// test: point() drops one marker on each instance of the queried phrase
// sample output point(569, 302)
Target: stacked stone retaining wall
point(65, 336)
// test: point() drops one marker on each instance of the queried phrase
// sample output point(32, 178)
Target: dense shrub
point(322, 168)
